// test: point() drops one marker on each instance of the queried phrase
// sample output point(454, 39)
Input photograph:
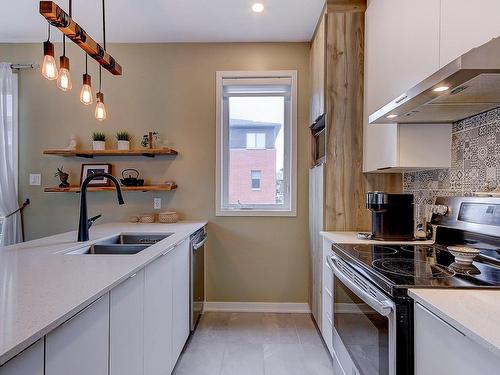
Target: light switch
point(35, 179)
point(157, 203)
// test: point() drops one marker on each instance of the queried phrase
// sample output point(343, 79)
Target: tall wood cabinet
point(336, 68)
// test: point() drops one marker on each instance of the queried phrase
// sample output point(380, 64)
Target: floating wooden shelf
point(148, 152)
point(76, 189)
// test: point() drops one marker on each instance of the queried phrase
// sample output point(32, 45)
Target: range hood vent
point(465, 87)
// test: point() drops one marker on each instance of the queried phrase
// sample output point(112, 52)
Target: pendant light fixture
point(86, 92)
point(49, 67)
point(100, 109)
point(64, 78)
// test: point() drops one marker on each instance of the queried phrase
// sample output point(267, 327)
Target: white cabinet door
point(441, 349)
point(80, 345)
point(127, 327)
point(316, 189)
point(399, 52)
point(467, 24)
point(180, 300)
point(28, 362)
point(402, 47)
point(327, 295)
point(158, 316)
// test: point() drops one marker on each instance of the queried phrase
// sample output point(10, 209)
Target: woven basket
point(168, 217)
point(147, 218)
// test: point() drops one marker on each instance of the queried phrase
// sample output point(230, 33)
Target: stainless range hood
point(465, 87)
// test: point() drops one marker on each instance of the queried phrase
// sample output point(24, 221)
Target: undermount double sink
point(123, 244)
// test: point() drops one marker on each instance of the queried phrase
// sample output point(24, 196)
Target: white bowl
point(463, 254)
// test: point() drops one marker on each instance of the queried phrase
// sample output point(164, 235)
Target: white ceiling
point(171, 20)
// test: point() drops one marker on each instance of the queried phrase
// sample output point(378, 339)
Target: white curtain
point(11, 228)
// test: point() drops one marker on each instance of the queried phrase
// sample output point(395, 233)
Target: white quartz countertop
point(475, 313)
point(41, 286)
point(351, 237)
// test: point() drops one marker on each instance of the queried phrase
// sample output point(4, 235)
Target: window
point(255, 178)
point(256, 139)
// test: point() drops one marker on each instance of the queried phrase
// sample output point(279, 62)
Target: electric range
point(372, 313)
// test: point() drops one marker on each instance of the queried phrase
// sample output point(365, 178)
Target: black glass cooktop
point(395, 268)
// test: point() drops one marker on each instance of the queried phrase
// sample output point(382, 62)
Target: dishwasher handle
point(383, 306)
point(200, 243)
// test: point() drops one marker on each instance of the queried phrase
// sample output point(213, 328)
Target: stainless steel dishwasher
point(198, 240)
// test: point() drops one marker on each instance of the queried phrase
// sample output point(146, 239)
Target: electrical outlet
point(157, 203)
point(35, 179)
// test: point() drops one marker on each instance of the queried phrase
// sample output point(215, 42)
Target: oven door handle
point(199, 244)
point(383, 307)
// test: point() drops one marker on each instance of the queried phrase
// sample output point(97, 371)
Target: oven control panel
point(480, 213)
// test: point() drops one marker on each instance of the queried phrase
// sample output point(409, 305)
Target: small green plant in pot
point(123, 140)
point(98, 141)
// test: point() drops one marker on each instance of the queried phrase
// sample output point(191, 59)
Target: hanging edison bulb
point(64, 79)
point(100, 109)
point(49, 67)
point(86, 92)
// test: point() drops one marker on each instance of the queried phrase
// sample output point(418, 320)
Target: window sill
point(285, 213)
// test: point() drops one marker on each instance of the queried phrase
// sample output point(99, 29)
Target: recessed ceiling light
point(392, 116)
point(441, 88)
point(258, 7)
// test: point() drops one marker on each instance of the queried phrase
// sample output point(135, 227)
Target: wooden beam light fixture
point(59, 18)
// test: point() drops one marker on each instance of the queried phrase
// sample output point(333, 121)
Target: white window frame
point(290, 160)
point(255, 137)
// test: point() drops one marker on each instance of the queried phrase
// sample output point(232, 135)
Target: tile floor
point(255, 344)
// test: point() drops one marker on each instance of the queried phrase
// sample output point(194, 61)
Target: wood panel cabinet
point(80, 345)
point(180, 297)
point(28, 362)
point(158, 331)
point(126, 347)
point(442, 349)
point(317, 63)
point(465, 25)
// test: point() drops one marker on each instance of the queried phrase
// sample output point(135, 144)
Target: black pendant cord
point(86, 64)
point(104, 24)
point(64, 45)
point(100, 77)
point(48, 33)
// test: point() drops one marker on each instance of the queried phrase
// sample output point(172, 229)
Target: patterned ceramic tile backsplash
point(475, 163)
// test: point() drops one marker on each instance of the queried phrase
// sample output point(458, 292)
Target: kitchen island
point(42, 286)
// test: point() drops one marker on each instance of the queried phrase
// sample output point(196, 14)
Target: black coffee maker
point(392, 216)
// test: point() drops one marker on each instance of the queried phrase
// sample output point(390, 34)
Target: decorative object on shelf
point(133, 219)
point(63, 176)
point(170, 183)
point(147, 218)
point(123, 141)
point(73, 143)
point(98, 141)
point(150, 140)
point(132, 178)
point(49, 66)
point(88, 169)
point(168, 217)
point(65, 23)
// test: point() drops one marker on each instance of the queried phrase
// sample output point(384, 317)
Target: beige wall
point(169, 88)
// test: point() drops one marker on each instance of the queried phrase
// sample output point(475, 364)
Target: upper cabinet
point(317, 63)
point(399, 53)
point(402, 47)
point(465, 25)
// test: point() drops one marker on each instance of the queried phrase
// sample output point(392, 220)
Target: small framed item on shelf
point(89, 169)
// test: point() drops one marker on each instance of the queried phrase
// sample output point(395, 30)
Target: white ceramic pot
point(98, 145)
point(123, 145)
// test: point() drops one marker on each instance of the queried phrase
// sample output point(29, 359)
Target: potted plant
point(123, 140)
point(98, 141)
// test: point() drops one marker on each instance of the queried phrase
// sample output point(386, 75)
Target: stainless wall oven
point(366, 321)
